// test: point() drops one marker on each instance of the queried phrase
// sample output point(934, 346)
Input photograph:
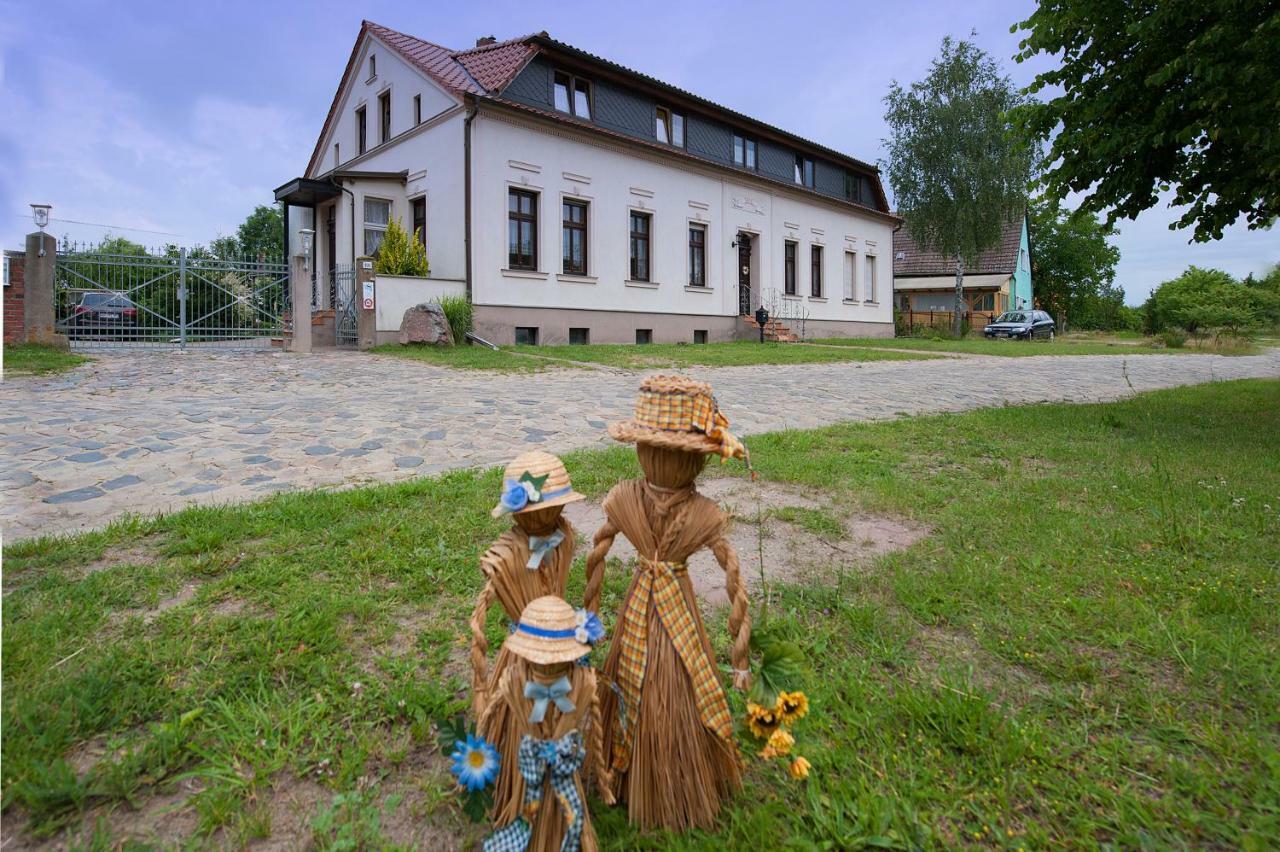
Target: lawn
point(728, 354)
point(1086, 650)
point(1061, 346)
point(468, 357)
point(28, 359)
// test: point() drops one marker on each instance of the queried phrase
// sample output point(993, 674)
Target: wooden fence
point(910, 322)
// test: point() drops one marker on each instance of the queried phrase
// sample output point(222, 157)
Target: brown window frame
point(789, 257)
point(515, 260)
point(698, 249)
point(747, 143)
point(572, 82)
point(384, 117)
point(362, 130)
point(417, 110)
point(815, 272)
point(570, 227)
point(419, 224)
point(637, 237)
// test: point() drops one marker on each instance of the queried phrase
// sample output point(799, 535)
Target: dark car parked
point(104, 310)
point(1022, 325)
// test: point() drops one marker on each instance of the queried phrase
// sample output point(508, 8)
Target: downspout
point(340, 186)
point(466, 188)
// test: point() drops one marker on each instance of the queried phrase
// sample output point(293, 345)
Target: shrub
point(1173, 338)
point(400, 253)
point(1202, 299)
point(457, 309)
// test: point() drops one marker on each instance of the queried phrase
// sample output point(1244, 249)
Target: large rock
point(426, 323)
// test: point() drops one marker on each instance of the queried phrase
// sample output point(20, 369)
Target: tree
point(401, 254)
point(1201, 299)
point(1074, 266)
point(1160, 94)
point(958, 172)
point(262, 233)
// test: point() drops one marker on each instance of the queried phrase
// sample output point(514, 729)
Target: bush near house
point(1203, 299)
point(401, 253)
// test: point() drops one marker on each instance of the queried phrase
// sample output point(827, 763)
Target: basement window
point(644, 336)
point(699, 335)
point(579, 336)
point(526, 335)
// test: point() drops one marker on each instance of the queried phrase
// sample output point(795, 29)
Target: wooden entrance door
point(744, 274)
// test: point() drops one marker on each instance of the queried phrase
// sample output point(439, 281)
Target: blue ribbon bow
point(539, 761)
point(541, 694)
point(540, 546)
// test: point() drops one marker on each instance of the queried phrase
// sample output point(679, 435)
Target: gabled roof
point(1000, 258)
point(475, 71)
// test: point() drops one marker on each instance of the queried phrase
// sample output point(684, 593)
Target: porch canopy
point(305, 192)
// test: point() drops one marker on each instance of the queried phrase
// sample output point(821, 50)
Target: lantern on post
point(762, 319)
point(40, 213)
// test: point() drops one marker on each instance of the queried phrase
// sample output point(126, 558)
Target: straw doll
point(668, 734)
point(552, 706)
point(528, 561)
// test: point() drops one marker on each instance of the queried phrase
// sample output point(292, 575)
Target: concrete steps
point(774, 330)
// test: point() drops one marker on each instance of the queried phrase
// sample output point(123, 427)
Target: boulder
point(426, 323)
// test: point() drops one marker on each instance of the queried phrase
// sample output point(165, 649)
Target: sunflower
point(780, 742)
point(799, 768)
point(763, 721)
point(475, 763)
point(791, 707)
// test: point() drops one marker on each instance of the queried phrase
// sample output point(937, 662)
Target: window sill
point(871, 302)
point(568, 278)
point(818, 299)
point(524, 273)
point(792, 298)
point(850, 302)
point(643, 285)
point(698, 288)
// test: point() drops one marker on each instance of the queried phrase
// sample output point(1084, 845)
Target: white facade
point(428, 161)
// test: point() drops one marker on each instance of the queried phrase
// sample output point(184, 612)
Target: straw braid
point(739, 616)
point(604, 778)
point(603, 541)
point(480, 649)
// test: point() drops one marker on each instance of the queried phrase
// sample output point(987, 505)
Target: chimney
point(486, 40)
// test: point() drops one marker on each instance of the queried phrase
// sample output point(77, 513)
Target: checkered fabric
point(658, 582)
point(537, 759)
point(682, 412)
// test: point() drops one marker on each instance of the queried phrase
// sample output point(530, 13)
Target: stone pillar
point(366, 317)
point(300, 297)
point(37, 302)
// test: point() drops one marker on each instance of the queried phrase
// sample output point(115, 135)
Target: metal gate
point(178, 297)
point(344, 306)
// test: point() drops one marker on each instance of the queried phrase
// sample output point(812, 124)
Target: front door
point(744, 274)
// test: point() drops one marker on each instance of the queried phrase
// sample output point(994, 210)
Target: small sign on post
point(366, 299)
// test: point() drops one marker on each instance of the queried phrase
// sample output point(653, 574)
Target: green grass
point(1085, 651)
point(469, 357)
point(1061, 346)
point(27, 359)
point(729, 354)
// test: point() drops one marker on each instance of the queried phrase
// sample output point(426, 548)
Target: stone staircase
point(775, 330)
point(323, 331)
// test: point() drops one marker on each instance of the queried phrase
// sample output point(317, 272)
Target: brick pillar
point(37, 297)
point(14, 318)
point(366, 318)
point(300, 297)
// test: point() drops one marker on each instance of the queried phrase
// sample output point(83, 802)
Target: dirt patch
point(139, 553)
point(184, 595)
point(159, 821)
point(942, 649)
point(773, 542)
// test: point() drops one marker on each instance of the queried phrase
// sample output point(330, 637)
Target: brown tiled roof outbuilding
point(1001, 258)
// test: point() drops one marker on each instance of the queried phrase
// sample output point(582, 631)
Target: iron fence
point(109, 296)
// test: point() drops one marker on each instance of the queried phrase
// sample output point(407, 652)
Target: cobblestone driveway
point(149, 432)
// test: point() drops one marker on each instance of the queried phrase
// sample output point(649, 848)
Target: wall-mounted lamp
point(40, 213)
point(308, 239)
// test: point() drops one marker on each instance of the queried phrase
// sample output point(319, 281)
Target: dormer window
point(669, 128)
point(804, 171)
point(573, 95)
point(744, 152)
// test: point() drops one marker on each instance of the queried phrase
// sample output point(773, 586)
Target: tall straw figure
point(668, 733)
point(528, 561)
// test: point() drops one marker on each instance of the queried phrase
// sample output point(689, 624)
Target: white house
point(575, 200)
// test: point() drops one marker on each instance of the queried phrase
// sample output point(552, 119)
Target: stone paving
point(146, 432)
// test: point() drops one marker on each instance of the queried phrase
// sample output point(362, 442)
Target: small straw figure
point(528, 561)
point(668, 733)
point(551, 706)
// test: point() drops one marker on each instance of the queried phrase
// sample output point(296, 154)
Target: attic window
point(900, 255)
point(373, 67)
point(572, 95)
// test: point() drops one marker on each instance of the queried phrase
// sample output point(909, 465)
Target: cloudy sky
point(168, 122)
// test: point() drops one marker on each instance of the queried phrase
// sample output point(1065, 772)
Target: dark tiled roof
point(1002, 258)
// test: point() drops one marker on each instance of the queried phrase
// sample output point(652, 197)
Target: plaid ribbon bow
point(658, 583)
point(537, 759)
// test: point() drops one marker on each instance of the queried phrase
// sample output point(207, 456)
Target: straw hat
point(545, 633)
point(677, 413)
point(535, 480)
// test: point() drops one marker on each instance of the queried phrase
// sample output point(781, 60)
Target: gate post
point(366, 306)
point(182, 300)
point(300, 304)
point(37, 303)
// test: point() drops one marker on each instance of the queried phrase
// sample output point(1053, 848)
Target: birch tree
point(958, 170)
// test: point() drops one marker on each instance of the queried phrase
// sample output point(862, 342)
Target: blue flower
point(514, 496)
point(589, 630)
point(475, 763)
